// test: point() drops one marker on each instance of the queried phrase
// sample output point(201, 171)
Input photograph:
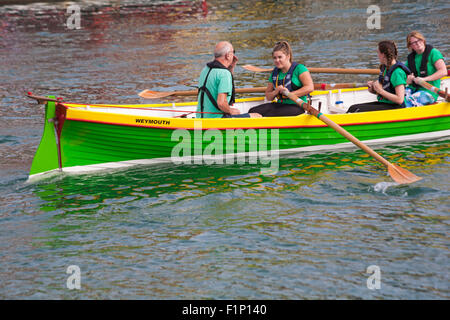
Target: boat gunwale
point(304, 120)
point(257, 127)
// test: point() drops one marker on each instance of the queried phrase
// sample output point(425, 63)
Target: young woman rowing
point(390, 87)
point(288, 75)
point(426, 63)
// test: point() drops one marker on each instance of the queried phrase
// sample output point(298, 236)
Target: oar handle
point(307, 107)
point(426, 85)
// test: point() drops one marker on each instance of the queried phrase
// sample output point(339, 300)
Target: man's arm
point(223, 105)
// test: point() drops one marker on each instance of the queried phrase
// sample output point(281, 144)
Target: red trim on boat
point(60, 118)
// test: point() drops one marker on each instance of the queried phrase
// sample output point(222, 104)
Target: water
point(218, 232)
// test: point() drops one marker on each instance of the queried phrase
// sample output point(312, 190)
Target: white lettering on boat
point(152, 121)
point(230, 146)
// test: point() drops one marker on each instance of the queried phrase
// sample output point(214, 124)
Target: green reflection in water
point(166, 183)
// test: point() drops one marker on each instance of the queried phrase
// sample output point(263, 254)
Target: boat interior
point(327, 102)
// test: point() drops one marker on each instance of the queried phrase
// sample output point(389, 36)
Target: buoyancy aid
point(385, 80)
point(287, 80)
point(423, 72)
point(203, 89)
point(423, 67)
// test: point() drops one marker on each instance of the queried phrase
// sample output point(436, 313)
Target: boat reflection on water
point(95, 15)
point(166, 183)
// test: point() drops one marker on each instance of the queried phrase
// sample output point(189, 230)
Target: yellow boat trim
point(158, 105)
point(404, 114)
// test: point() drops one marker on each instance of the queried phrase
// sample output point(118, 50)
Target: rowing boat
point(91, 137)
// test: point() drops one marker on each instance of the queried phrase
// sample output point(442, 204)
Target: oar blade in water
point(401, 175)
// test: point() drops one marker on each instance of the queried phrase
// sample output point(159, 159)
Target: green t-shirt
point(434, 56)
point(299, 69)
point(219, 81)
point(398, 77)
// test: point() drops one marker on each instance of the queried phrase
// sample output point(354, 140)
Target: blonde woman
point(426, 63)
point(289, 75)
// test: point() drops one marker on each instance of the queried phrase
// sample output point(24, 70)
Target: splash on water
point(383, 186)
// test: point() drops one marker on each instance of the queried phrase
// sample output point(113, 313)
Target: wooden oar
point(397, 173)
point(319, 70)
point(331, 86)
point(148, 94)
point(322, 70)
point(426, 85)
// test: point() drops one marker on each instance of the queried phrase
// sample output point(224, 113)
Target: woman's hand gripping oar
point(397, 173)
point(426, 85)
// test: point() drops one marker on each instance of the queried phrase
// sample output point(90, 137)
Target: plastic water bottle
point(339, 105)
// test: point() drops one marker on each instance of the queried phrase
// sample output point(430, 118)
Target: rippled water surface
point(218, 232)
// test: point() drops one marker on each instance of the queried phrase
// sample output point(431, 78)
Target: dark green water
point(220, 232)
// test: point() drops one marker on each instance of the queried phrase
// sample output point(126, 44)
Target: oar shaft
point(238, 90)
point(353, 139)
point(317, 86)
point(331, 86)
point(322, 70)
point(319, 70)
point(344, 71)
point(428, 86)
point(251, 90)
point(148, 94)
point(337, 128)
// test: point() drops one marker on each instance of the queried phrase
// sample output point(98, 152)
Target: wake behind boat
point(90, 137)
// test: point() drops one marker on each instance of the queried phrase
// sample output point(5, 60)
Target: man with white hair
point(216, 86)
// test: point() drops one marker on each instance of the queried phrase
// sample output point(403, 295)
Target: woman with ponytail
point(390, 87)
point(289, 75)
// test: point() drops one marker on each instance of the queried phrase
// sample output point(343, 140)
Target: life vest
point(203, 89)
point(287, 81)
point(423, 72)
point(385, 80)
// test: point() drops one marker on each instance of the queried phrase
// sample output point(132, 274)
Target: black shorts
point(373, 106)
point(277, 110)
